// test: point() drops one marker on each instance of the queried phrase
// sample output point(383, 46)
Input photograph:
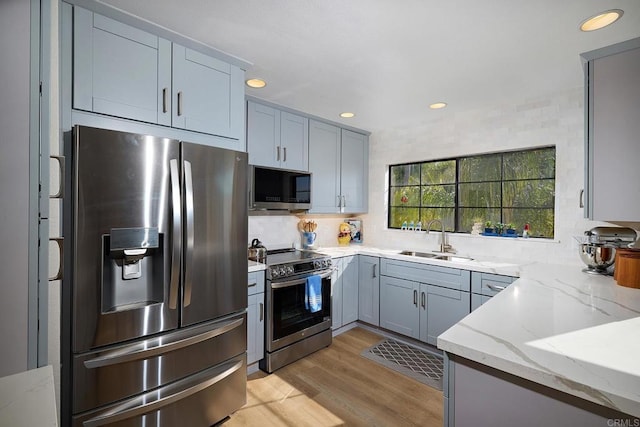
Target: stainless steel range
point(294, 330)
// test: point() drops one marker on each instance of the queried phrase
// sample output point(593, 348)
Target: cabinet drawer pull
point(496, 287)
point(251, 285)
point(164, 100)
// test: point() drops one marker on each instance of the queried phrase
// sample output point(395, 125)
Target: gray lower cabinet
point(369, 289)
point(479, 395)
point(344, 291)
point(277, 138)
point(422, 301)
point(612, 80)
point(122, 71)
point(339, 162)
point(350, 282)
point(486, 285)
point(399, 306)
point(255, 317)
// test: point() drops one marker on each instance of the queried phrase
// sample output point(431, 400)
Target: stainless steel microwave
point(281, 189)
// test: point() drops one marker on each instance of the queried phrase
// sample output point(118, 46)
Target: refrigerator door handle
point(157, 399)
point(176, 236)
point(147, 349)
point(188, 186)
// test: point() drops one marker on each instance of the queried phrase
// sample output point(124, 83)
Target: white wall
point(555, 119)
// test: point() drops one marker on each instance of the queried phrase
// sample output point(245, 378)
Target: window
point(510, 188)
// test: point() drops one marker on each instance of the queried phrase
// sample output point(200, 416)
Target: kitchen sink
point(440, 257)
point(419, 254)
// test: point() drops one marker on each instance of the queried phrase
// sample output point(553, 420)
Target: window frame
point(457, 227)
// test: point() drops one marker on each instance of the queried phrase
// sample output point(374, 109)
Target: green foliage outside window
point(513, 187)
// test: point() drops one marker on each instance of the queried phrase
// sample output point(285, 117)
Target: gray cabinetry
point(336, 293)
point(369, 289)
point(399, 306)
point(486, 285)
point(349, 289)
point(122, 71)
point(208, 94)
point(422, 301)
point(612, 77)
point(277, 138)
point(339, 162)
point(255, 317)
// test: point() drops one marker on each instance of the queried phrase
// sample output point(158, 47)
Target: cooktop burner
point(287, 256)
point(283, 264)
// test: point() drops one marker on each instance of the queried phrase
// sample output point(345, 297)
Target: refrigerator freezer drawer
point(123, 371)
point(202, 399)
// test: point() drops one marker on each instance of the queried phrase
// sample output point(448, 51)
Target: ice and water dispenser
point(132, 268)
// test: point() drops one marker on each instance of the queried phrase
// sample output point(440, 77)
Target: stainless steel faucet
point(444, 246)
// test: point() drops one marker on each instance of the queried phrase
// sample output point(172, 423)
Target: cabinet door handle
point(284, 157)
point(180, 103)
point(339, 201)
point(374, 270)
point(344, 201)
point(164, 100)
point(423, 300)
point(261, 311)
point(278, 154)
point(415, 297)
point(582, 198)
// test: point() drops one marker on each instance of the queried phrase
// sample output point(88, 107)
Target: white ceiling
point(388, 60)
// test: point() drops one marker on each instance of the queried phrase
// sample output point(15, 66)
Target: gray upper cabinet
point(120, 70)
point(125, 72)
point(339, 162)
point(612, 77)
point(276, 138)
point(208, 94)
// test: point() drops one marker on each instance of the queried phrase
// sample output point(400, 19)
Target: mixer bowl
point(597, 256)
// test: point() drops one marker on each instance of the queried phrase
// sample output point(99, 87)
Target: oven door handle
point(280, 285)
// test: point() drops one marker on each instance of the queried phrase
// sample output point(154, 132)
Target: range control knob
point(274, 272)
point(289, 270)
point(317, 264)
point(283, 271)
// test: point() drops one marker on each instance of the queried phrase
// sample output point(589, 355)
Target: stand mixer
point(598, 247)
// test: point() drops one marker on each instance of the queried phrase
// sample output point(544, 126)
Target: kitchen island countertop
point(557, 326)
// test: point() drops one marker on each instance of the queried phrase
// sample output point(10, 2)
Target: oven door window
point(289, 315)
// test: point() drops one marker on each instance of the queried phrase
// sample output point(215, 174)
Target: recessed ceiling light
point(256, 83)
point(601, 20)
point(347, 115)
point(438, 105)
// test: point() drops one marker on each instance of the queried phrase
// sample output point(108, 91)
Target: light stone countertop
point(256, 266)
point(28, 399)
point(486, 265)
point(560, 327)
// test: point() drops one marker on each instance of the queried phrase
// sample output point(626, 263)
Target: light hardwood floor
point(337, 387)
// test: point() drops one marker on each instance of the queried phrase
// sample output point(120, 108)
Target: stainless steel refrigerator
point(154, 293)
